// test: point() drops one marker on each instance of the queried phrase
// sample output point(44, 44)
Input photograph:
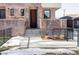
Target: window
point(70, 23)
point(22, 12)
point(47, 14)
point(77, 22)
point(11, 12)
point(2, 13)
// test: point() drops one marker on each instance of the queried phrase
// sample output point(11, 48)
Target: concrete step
point(32, 32)
point(24, 42)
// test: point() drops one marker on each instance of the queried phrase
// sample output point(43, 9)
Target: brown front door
point(33, 18)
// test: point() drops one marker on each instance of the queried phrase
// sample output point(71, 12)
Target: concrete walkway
point(35, 44)
point(38, 42)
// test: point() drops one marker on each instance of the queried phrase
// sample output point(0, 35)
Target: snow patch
point(14, 41)
point(38, 51)
point(61, 51)
point(30, 51)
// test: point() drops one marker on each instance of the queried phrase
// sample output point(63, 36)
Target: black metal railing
point(59, 33)
point(5, 35)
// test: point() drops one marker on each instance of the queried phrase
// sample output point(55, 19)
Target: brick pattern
point(50, 25)
point(18, 23)
point(18, 26)
point(26, 7)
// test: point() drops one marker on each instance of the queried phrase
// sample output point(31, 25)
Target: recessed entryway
point(33, 18)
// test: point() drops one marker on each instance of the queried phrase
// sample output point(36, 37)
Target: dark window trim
point(22, 12)
point(49, 13)
point(12, 12)
point(3, 15)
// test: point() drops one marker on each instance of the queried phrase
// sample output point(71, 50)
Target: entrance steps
point(33, 33)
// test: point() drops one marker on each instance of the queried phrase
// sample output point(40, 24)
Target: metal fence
point(58, 33)
point(5, 34)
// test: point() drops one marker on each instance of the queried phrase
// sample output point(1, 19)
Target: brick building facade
point(22, 16)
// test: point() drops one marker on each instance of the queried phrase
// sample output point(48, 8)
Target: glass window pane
point(11, 12)
point(77, 22)
point(22, 12)
point(46, 14)
point(2, 13)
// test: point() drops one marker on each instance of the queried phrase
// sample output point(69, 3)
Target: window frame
point(12, 12)
point(22, 12)
point(49, 14)
point(1, 17)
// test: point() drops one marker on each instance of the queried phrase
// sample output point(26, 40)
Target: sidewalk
point(37, 46)
point(38, 42)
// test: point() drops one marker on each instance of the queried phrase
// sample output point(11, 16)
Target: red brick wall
point(48, 25)
point(18, 26)
point(51, 24)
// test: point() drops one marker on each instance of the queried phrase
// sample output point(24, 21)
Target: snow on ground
point(52, 43)
point(14, 41)
point(30, 51)
point(61, 51)
point(38, 42)
point(38, 51)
